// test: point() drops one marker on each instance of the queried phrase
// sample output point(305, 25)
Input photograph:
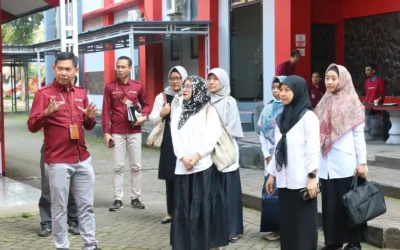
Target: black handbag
point(364, 202)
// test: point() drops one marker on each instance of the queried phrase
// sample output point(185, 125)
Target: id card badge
point(74, 132)
point(127, 101)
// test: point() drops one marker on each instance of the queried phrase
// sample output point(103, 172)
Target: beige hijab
point(339, 112)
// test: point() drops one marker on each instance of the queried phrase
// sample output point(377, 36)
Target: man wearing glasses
point(121, 134)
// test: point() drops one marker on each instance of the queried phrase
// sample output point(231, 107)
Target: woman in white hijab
point(220, 90)
point(162, 110)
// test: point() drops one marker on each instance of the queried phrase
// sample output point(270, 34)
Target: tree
point(23, 30)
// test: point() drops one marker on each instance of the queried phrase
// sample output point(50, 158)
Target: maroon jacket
point(285, 69)
point(115, 114)
point(59, 148)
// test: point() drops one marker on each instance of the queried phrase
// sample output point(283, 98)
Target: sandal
point(272, 237)
point(166, 220)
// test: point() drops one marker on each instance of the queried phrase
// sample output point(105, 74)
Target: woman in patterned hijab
point(199, 219)
point(200, 98)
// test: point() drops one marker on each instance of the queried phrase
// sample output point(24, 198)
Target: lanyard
point(70, 109)
point(123, 91)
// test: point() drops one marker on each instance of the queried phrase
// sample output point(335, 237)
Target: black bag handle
point(354, 182)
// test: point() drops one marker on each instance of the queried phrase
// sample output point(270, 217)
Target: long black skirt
point(234, 212)
point(297, 221)
point(334, 217)
point(199, 220)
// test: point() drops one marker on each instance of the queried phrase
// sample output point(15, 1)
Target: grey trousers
point(79, 178)
point(45, 201)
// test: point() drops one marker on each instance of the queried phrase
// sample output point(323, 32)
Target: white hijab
point(169, 91)
point(220, 101)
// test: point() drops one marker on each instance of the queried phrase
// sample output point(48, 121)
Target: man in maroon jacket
point(63, 111)
point(123, 134)
point(287, 68)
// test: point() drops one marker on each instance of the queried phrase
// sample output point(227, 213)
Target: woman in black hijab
point(295, 164)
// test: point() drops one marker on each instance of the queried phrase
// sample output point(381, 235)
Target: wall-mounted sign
point(300, 40)
point(302, 51)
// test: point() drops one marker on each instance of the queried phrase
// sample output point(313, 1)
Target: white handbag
point(157, 134)
point(224, 154)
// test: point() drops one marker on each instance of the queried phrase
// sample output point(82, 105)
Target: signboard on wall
point(302, 51)
point(300, 40)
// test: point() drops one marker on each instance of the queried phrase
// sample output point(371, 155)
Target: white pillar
point(224, 13)
point(268, 47)
point(69, 26)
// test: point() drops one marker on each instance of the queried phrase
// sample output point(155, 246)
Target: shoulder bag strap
point(165, 98)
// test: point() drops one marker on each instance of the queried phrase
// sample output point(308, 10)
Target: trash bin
point(256, 116)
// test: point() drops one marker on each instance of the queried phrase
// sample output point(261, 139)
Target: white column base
point(394, 132)
point(375, 124)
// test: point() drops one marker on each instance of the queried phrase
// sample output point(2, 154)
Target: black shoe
point(117, 205)
point(44, 232)
point(137, 204)
point(74, 229)
point(352, 246)
point(332, 247)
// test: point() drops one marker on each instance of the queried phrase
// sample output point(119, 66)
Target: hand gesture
point(195, 159)
point(361, 171)
point(312, 187)
point(165, 110)
point(269, 186)
point(90, 111)
point(186, 163)
point(53, 106)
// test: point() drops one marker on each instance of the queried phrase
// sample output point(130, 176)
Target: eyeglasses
point(187, 86)
point(175, 79)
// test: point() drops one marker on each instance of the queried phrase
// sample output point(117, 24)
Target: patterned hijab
point(291, 115)
point(339, 112)
point(269, 113)
point(200, 98)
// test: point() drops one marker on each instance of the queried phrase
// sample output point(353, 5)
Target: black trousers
point(170, 196)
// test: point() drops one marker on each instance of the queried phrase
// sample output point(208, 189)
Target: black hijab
point(291, 114)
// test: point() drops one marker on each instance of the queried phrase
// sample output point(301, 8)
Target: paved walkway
point(126, 229)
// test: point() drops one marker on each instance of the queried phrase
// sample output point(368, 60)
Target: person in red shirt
point(63, 111)
point(45, 200)
point(287, 68)
point(316, 89)
point(374, 86)
point(375, 91)
point(122, 134)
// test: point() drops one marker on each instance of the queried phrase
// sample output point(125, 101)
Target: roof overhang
point(13, 9)
point(116, 36)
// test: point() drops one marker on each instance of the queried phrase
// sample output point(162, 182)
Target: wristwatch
point(312, 175)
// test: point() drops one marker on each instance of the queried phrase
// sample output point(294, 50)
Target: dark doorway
point(322, 47)
point(246, 52)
